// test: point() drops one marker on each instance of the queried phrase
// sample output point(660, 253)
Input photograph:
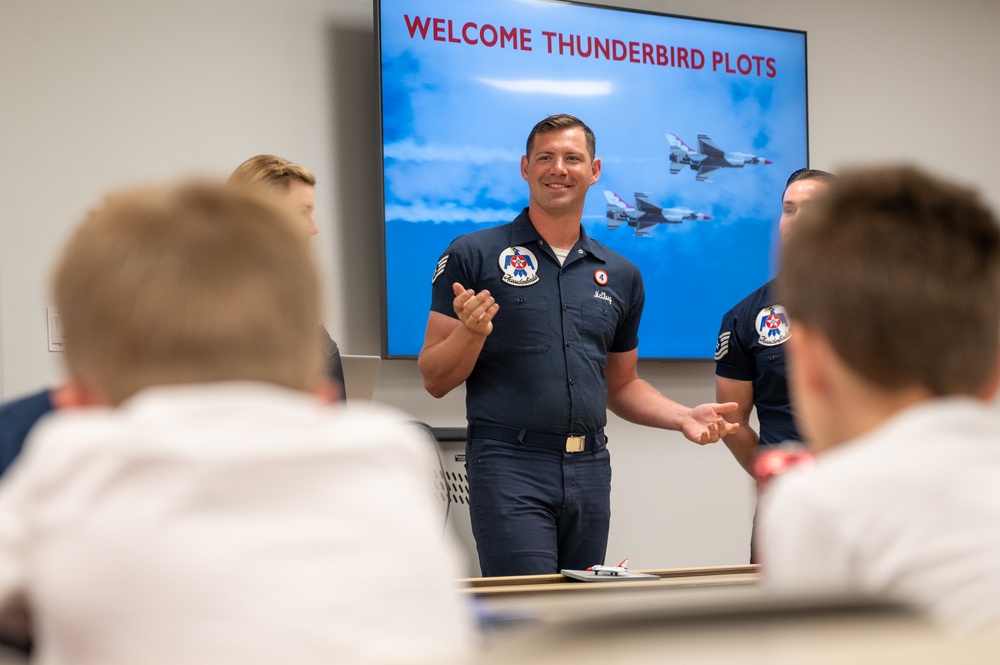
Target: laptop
point(360, 373)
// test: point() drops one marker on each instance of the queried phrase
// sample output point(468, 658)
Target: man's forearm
point(743, 444)
point(639, 402)
point(447, 364)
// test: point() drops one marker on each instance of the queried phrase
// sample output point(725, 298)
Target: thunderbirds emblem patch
point(772, 326)
point(519, 265)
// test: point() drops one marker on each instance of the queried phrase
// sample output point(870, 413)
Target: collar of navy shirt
point(523, 232)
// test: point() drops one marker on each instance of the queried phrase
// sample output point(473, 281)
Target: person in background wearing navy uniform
point(750, 354)
point(540, 322)
point(17, 417)
point(295, 186)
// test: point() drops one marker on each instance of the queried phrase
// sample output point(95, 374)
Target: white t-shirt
point(910, 510)
point(231, 523)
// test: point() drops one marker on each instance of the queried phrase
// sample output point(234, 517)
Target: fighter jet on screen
point(709, 157)
point(645, 215)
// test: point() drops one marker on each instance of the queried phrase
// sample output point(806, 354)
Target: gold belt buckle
point(576, 444)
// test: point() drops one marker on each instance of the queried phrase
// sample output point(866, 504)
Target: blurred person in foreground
point(892, 284)
point(206, 502)
point(295, 187)
point(291, 184)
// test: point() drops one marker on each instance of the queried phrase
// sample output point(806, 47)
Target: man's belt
point(569, 443)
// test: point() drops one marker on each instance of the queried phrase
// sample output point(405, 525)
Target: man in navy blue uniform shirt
point(750, 354)
point(540, 322)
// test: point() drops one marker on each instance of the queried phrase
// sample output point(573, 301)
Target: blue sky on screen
point(456, 115)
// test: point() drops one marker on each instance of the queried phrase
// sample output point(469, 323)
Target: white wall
point(97, 94)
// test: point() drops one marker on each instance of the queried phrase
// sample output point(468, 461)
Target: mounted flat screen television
point(698, 125)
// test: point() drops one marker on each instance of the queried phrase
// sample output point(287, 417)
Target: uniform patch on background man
point(772, 326)
point(442, 262)
point(519, 265)
point(722, 346)
point(601, 277)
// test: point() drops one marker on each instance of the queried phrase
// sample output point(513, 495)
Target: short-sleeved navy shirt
point(542, 367)
point(751, 347)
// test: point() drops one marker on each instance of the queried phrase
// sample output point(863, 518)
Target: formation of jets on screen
point(645, 215)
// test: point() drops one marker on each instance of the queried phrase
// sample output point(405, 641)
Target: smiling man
point(541, 323)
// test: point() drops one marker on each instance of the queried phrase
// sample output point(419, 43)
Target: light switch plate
point(56, 339)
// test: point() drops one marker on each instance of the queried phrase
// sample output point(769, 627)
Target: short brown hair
point(270, 173)
point(807, 174)
point(901, 272)
point(560, 122)
point(189, 284)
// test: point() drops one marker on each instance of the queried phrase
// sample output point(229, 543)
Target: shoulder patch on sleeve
point(722, 346)
point(442, 262)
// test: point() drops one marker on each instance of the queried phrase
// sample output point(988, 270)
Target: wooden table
point(701, 616)
point(549, 585)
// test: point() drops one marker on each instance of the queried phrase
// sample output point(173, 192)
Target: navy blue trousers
point(537, 511)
